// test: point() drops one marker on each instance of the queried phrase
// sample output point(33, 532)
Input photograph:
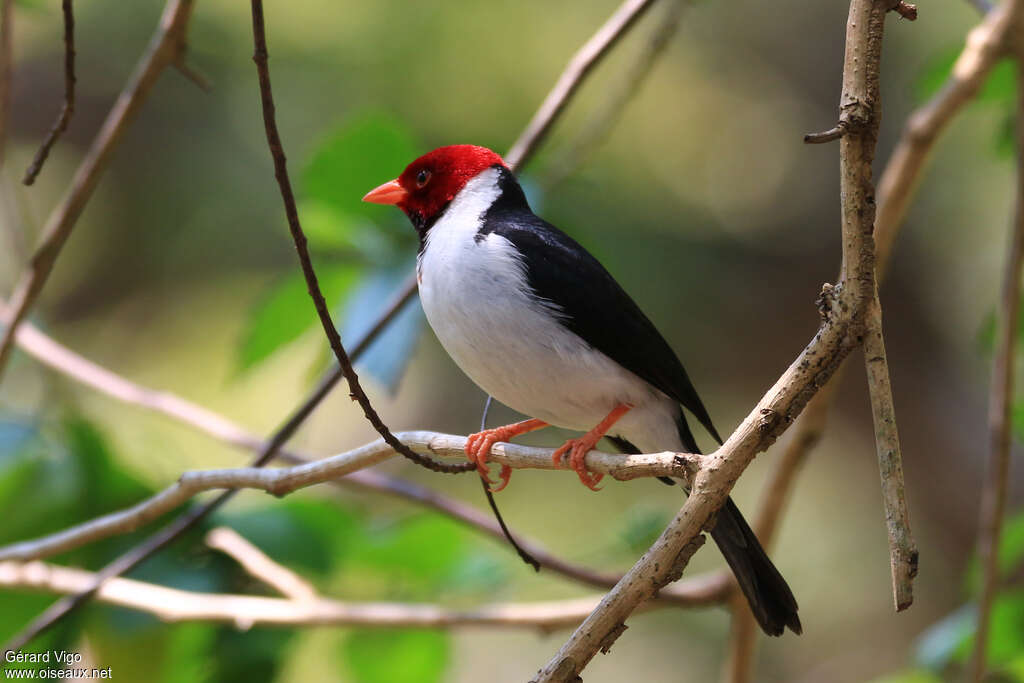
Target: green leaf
point(286, 311)
point(397, 656)
point(307, 534)
point(189, 654)
point(425, 547)
point(369, 149)
point(641, 526)
point(1011, 550)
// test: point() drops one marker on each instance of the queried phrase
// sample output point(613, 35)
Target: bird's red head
point(429, 183)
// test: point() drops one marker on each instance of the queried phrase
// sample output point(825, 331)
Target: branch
point(159, 54)
point(585, 59)
point(843, 326)
point(259, 565)
point(280, 482)
point(246, 611)
point(993, 496)
point(61, 124)
point(902, 548)
point(896, 189)
point(628, 85)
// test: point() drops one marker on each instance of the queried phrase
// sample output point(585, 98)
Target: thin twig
point(245, 611)
point(259, 565)
point(159, 54)
point(628, 85)
point(68, 108)
point(298, 236)
point(993, 496)
point(585, 59)
point(845, 308)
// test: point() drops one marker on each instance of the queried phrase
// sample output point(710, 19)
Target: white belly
point(475, 296)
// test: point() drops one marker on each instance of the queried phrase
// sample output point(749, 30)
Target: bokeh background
point(702, 201)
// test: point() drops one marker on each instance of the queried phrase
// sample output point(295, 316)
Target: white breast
point(477, 300)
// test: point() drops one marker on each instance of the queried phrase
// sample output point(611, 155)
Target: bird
point(539, 324)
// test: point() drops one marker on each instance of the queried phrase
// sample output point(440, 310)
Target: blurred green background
point(703, 202)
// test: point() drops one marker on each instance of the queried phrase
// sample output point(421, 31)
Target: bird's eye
point(422, 178)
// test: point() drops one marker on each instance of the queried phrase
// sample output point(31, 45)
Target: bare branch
point(902, 548)
point(159, 54)
point(843, 325)
point(282, 481)
point(61, 124)
point(259, 565)
point(628, 85)
point(993, 495)
point(246, 611)
point(985, 44)
point(585, 59)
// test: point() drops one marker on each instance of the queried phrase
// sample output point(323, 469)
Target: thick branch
point(282, 481)
point(246, 611)
point(841, 331)
point(161, 53)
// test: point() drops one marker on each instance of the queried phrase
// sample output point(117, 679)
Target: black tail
point(767, 593)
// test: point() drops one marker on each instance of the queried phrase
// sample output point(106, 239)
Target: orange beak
point(388, 193)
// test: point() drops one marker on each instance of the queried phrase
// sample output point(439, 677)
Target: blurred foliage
point(397, 656)
point(944, 649)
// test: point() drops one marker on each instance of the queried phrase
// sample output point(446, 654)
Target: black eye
point(422, 178)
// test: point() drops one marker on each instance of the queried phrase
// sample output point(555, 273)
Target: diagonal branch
point(64, 117)
point(585, 59)
point(259, 565)
point(845, 307)
point(159, 54)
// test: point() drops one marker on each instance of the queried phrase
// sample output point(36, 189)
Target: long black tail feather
point(766, 591)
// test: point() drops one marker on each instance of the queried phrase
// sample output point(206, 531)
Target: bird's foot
point(478, 448)
point(579, 447)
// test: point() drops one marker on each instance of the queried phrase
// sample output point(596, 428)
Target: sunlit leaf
point(286, 311)
point(397, 656)
point(386, 358)
point(190, 654)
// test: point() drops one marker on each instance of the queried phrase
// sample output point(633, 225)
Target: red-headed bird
point(541, 326)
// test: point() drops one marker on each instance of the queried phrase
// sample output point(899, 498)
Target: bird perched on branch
point(539, 324)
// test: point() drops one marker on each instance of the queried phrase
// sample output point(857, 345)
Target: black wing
point(594, 306)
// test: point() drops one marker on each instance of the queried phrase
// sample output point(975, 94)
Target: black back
point(591, 302)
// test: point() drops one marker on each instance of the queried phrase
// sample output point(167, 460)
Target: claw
point(579, 447)
point(478, 449)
